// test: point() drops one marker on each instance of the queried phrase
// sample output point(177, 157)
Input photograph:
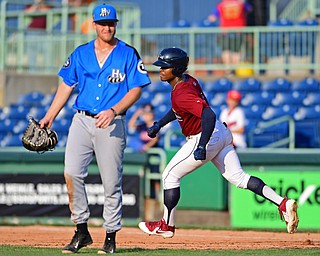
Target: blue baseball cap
point(104, 13)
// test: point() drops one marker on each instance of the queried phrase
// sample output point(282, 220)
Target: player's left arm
point(208, 122)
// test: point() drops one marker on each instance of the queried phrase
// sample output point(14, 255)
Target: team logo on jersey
point(179, 118)
point(67, 63)
point(141, 67)
point(116, 76)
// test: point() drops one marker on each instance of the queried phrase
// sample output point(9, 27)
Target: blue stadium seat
point(205, 23)
point(33, 98)
point(159, 86)
point(16, 111)
point(7, 125)
point(181, 23)
point(37, 112)
point(219, 85)
point(308, 84)
point(161, 110)
point(247, 85)
point(254, 111)
point(275, 112)
point(61, 126)
point(161, 98)
point(312, 98)
point(12, 140)
point(263, 98)
point(307, 133)
point(276, 85)
point(310, 112)
point(146, 98)
point(288, 98)
point(217, 99)
point(20, 126)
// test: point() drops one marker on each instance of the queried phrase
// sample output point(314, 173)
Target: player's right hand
point(153, 130)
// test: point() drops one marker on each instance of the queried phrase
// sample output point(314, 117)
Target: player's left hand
point(200, 153)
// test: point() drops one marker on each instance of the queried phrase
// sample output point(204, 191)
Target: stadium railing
point(264, 49)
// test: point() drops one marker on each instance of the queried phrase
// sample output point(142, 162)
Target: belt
point(86, 113)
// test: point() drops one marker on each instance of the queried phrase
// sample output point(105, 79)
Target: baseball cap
point(235, 95)
point(104, 13)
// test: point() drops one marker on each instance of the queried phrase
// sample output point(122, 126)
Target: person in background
point(235, 118)
point(35, 31)
point(139, 122)
point(231, 14)
point(109, 75)
point(207, 140)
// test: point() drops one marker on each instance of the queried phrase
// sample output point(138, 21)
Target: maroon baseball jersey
point(188, 101)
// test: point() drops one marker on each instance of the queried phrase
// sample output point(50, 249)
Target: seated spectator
point(234, 117)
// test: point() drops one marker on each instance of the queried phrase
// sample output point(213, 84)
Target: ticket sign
point(253, 211)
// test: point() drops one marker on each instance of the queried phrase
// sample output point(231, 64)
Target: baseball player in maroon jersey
point(207, 140)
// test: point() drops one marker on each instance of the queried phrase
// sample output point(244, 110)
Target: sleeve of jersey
point(192, 104)
point(137, 75)
point(68, 71)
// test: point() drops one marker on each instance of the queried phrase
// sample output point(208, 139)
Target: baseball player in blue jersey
point(109, 75)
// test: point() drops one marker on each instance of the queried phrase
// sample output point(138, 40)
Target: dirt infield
point(52, 236)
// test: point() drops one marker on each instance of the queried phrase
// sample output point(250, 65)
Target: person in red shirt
point(231, 14)
point(208, 140)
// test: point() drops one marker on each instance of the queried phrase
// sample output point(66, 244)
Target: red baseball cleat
point(288, 213)
point(159, 228)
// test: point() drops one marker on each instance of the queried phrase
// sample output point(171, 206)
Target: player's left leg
point(228, 163)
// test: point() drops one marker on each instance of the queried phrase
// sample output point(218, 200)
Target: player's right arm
point(62, 95)
point(169, 117)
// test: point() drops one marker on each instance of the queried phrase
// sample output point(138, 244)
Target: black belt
point(87, 113)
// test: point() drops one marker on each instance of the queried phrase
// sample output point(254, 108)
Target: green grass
point(36, 251)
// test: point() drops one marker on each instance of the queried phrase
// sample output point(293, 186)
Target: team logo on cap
point(105, 12)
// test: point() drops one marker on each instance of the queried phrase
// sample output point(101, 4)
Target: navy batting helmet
point(173, 58)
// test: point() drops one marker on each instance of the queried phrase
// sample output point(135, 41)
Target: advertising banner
point(35, 195)
point(252, 211)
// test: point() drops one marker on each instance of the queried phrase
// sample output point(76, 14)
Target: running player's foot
point(288, 213)
point(159, 228)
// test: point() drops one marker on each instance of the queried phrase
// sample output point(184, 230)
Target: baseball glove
point(39, 139)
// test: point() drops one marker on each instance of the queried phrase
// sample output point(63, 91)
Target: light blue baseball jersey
point(102, 88)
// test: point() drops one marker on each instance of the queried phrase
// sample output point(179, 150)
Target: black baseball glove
point(39, 139)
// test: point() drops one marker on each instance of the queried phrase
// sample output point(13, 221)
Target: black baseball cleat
point(78, 241)
point(109, 245)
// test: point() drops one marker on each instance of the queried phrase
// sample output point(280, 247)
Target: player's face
point(166, 74)
point(106, 30)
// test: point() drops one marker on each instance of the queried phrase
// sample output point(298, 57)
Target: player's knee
point(239, 179)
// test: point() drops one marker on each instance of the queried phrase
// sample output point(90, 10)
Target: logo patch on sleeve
point(141, 67)
point(67, 63)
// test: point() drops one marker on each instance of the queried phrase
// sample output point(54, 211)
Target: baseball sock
point(83, 227)
point(171, 199)
point(258, 187)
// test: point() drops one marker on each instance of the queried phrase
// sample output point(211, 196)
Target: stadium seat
point(33, 98)
point(7, 125)
point(181, 23)
point(217, 99)
point(205, 23)
point(312, 98)
point(307, 133)
point(16, 111)
point(61, 126)
point(254, 111)
point(146, 98)
point(20, 126)
point(307, 113)
point(161, 110)
point(247, 85)
point(12, 140)
point(288, 98)
point(161, 98)
point(159, 86)
point(276, 85)
point(37, 112)
point(308, 84)
point(219, 85)
point(275, 112)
